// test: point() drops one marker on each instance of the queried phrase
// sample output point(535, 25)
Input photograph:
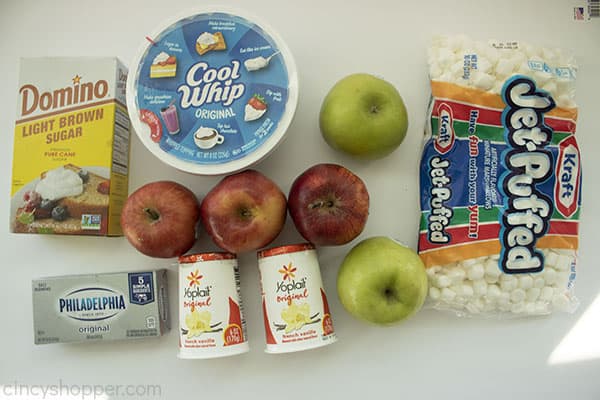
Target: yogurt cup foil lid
point(212, 92)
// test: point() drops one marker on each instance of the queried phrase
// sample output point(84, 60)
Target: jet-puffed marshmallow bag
point(500, 179)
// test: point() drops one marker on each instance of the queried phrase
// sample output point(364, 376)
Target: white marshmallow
point(563, 262)
point(504, 298)
point(447, 294)
point(541, 307)
point(469, 262)
point(530, 308)
point(509, 282)
point(525, 282)
point(480, 287)
point(533, 293)
point(442, 281)
point(476, 272)
point(445, 57)
point(459, 300)
point(497, 88)
point(456, 274)
point(505, 67)
point(517, 295)
point(539, 282)
point(562, 279)
point(561, 302)
point(549, 275)
point(435, 71)
point(467, 290)
point(547, 293)
point(493, 292)
point(550, 258)
point(517, 308)
point(541, 77)
point(551, 88)
point(565, 101)
point(491, 279)
point(484, 65)
point(434, 293)
point(472, 308)
point(482, 80)
point(491, 268)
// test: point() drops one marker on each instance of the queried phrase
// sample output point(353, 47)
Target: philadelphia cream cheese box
point(71, 146)
point(122, 305)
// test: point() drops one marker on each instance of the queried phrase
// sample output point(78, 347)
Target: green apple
point(382, 281)
point(364, 116)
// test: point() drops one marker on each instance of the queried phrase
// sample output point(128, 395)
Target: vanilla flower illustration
point(197, 323)
point(296, 316)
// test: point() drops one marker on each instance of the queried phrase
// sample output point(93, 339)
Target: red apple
point(329, 204)
point(159, 219)
point(244, 212)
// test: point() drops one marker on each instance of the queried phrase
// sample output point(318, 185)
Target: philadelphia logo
point(92, 304)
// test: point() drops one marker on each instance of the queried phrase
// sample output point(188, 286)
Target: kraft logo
point(568, 171)
point(445, 136)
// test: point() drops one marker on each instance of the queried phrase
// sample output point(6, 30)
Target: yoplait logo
point(527, 211)
point(206, 85)
point(193, 291)
point(289, 283)
point(289, 286)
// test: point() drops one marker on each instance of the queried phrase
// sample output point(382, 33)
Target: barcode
point(594, 8)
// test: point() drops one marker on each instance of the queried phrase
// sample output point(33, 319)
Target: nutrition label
point(120, 162)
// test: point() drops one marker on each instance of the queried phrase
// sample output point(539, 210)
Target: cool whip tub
point(500, 178)
point(212, 92)
point(210, 310)
point(295, 308)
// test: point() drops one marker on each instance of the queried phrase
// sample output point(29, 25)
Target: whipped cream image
point(206, 39)
point(251, 113)
point(162, 57)
point(59, 183)
point(254, 64)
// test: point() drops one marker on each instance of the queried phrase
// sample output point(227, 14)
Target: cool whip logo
point(527, 211)
point(32, 99)
point(445, 138)
point(198, 297)
point(206, 85)
point(91, 304)
point(289, 289)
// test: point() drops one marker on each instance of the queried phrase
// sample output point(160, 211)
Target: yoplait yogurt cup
point(211, 316)
point(212, 92)
point(295, 308)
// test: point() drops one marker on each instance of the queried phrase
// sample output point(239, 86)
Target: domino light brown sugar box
point(108, 306)
point(71, 147)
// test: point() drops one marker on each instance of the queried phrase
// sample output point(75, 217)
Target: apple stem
point(374, 109)
point(322, 204)
point(152, 214)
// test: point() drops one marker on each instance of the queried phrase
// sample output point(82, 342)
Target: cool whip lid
point(212, 92)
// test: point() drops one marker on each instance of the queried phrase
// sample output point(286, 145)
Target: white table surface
point(431, 355)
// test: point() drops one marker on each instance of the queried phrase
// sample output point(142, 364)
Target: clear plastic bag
point(500, 179)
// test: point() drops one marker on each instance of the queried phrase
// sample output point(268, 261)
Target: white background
point(433, 354)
